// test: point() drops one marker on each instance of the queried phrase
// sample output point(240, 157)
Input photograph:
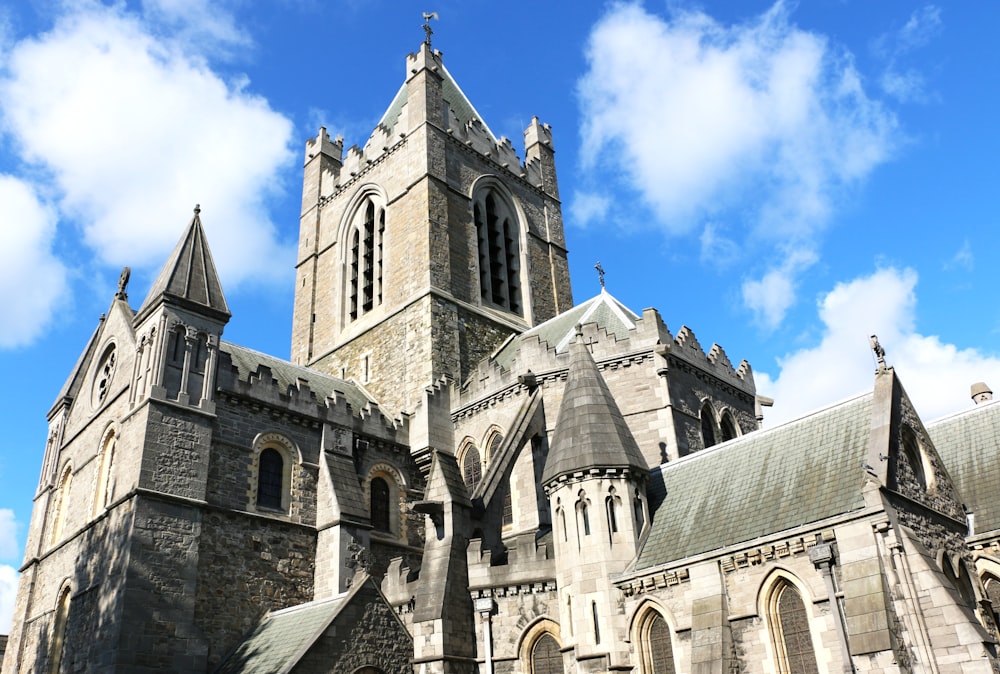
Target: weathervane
point(600, 273)
point(427, 26)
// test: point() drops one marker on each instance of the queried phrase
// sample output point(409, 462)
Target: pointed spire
point(189, 277)
point(591, 431)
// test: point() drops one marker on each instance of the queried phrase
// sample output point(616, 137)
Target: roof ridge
point(764, 432)
point(961, 413)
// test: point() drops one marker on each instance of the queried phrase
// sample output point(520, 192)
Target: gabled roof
point(762, 483)
point(189, 276)
point(604, 310)
point(969, 445)
point(247, 361)
point(280, 640)
point(452, 94)
point(590, 431)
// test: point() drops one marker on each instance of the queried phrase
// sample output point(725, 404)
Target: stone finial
point(981, 392)
point(197, 209)
point(879, 354)
point(123, 283)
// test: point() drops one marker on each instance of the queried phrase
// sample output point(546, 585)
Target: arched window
point(545, 656)
point(379, 502)
point(612, 504)
point(790, 629)
point(472, 467)
point(640, 518)
point(61, 505)
point(366, 237)
point(583, 516)
point(58, 646)
point(493, 445)
point(728, 426)
point(707, 424)
point(655, 645)
point(992, 586)
point(270, 479)
point(911, 457)
point(104, 487)
point(499, 251)
point(507, 516)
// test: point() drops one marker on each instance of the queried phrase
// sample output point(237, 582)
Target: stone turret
point(595, 478)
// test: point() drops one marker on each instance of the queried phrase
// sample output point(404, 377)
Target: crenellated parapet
point(686, 348)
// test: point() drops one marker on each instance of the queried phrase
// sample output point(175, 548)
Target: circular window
point(103, 376)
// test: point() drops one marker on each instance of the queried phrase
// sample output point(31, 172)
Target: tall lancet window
point(365, 271)
point(499, 251)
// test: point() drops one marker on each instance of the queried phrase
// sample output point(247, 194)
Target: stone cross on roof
point(600, 273)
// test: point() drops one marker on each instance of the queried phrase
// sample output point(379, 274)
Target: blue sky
point(785, 179)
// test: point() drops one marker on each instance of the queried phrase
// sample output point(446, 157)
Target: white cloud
point(135, 133)
point(8, 592)
point(32, 279)
point(936, 375)
point(771, 296)
point(907, 85)
point(8, 535)
point(588, 207)
point(199, 25)
point(964, 258)
point(717, 248)
point(703, 118)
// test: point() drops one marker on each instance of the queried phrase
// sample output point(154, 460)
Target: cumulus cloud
point(703, 118)
point(760, 122)
point(771, 296)
point(936, 374)
point(136, 132)
point(32, 279)
point(8, 591)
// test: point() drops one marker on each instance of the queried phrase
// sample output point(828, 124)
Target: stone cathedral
point(462, 471)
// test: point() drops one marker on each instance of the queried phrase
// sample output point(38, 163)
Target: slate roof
point(452, 94)
point(969, 445)
point(189, 274)
point(591, 431)
point(286, 374)
point(764, 482)
point(604, 310)
point(280, 640)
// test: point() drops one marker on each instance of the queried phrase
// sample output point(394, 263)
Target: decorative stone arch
point(988, 570)
point(394, 480)
point(471, 461)
point(57, 641)
point(498, 218)
point(492, 439)
point(772, 605)
point(103, 488)
point(708, 416)
point(60, 502)
point(263, 485)
point(533, 633)
point(914, 453)
point(361, 235)
point(653, 654)
point(728, 428)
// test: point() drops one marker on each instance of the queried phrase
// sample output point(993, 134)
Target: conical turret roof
point(591, 431)
point(189, 277)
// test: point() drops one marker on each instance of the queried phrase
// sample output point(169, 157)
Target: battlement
point(322, 145)
point(687, 348)
point(528, 559)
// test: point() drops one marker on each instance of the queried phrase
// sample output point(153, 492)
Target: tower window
point(365, 269)
point(499, 251)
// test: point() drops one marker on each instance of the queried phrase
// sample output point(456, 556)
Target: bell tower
point(422, 251)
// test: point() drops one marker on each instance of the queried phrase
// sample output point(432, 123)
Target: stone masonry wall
point(248, 565)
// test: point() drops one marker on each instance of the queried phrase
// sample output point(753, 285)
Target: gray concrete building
point(459, 470)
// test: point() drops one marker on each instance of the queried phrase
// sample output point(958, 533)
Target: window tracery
point(791, 636)
point(499, 236)
point(366, 236)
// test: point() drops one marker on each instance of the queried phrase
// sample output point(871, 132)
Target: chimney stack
point(981, 393)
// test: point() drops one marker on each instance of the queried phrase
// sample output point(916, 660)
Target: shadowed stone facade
point(461, 471)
